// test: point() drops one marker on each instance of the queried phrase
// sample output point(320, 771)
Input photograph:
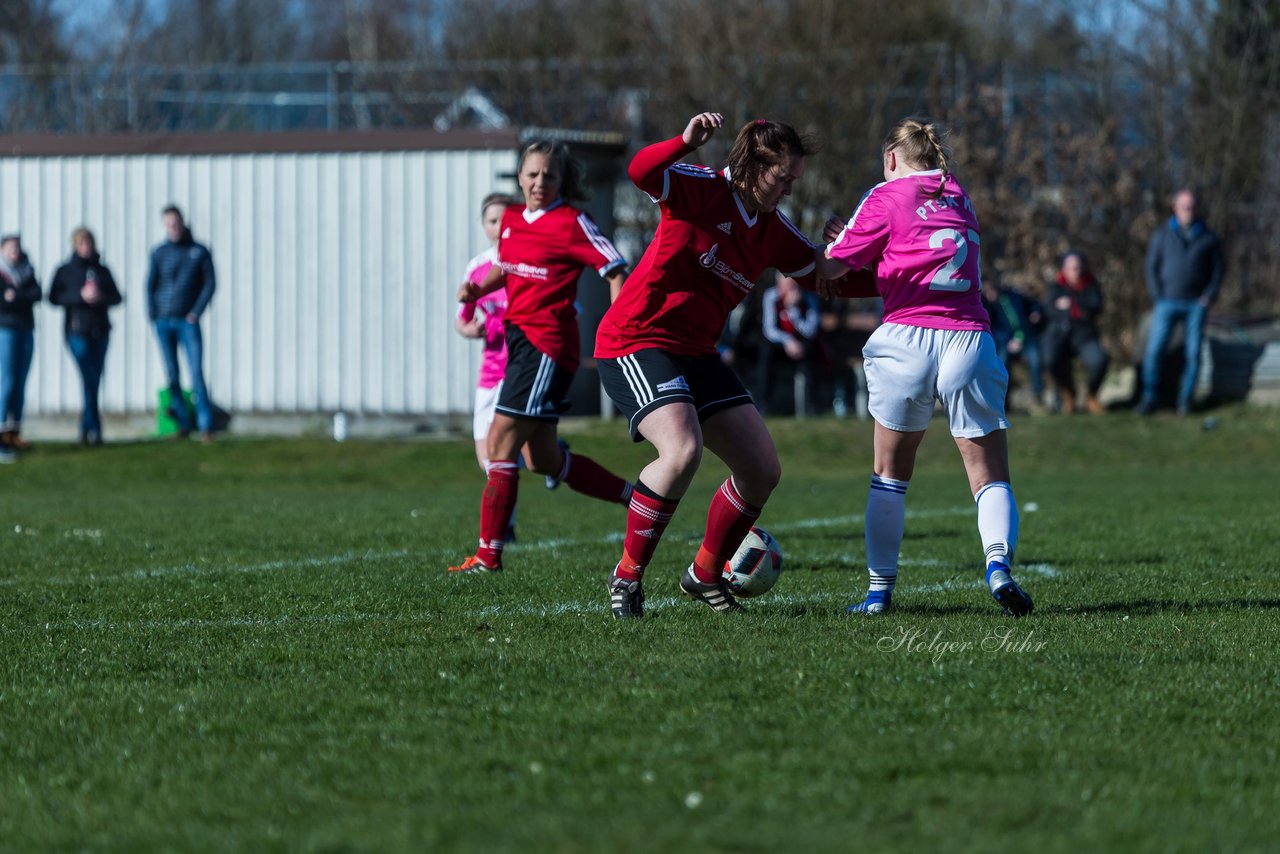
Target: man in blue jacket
point(180, 283)
point(1184, 271)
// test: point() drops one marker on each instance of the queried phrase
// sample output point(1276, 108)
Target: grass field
point(255, 646)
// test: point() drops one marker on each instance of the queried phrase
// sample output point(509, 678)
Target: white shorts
point(909, 367)
point(482, 417)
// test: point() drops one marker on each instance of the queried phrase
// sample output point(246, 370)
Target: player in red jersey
point(543, 246)
point(656, 346)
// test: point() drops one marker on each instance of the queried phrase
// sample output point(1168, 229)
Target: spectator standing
point(1184, 272)
point(1075, 302)
point(86, 289)
point(180, 284)
point(791, 321)
point(19, 292)
point(1016, 320)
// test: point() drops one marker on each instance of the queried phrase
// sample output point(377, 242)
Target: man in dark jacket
point(1184, 271)
point(180, 283)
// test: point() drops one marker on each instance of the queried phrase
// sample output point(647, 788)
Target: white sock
point(997, 521)
point(886, 513)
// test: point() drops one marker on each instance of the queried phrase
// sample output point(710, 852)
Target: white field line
point(104, 624)
point(596, 607)
point(613, 537)
point(1041, 570)
point(215, 568)
point(773, 527)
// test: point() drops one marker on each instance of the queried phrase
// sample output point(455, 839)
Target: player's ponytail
point(921, 143)
point(572, 175)
point(760, 146)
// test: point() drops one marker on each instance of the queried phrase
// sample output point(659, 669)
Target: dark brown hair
point(572, 176)
point(760, 146)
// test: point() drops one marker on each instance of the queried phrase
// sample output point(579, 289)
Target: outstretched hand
point(701, 128)
point(832, 229)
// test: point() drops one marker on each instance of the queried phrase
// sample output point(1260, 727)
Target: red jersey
point(542, 254)
point(704, 259)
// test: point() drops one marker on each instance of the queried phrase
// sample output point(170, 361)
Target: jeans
point(171, 331)
point(90, 355)
point(1167, 314)
point(16, 349)
point(1031, 356)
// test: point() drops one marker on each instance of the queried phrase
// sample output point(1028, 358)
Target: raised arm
point(651, 161)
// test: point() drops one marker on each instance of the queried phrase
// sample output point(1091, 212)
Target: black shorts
point(641, 382)
point(534, 386)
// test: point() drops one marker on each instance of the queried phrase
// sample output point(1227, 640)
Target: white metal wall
point(336, 273)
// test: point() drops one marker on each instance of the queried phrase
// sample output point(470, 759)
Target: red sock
point(496, 504)
point(587, 476)
point(647, 517)
point(728, 520)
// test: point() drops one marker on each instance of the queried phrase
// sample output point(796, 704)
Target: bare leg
point(675, 433)
point(739, 437)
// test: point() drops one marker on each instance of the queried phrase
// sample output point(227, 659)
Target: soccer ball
point(754, 568)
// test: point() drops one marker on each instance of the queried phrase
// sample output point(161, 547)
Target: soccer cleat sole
point(1013, 599)
point(714, 596)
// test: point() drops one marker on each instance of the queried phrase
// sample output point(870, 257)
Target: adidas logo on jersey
point(725, 227)
point(677, 384)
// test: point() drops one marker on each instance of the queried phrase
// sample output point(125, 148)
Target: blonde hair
point(921, 142)
point(79, 233)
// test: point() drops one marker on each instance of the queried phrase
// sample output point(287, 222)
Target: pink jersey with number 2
point(925, 251)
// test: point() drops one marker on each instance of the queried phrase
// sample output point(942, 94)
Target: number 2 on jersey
point(942, 280)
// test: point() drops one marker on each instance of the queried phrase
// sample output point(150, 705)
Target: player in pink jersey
point(483, 320)
point(919, 231)
point(656, 345)
point(543, 245)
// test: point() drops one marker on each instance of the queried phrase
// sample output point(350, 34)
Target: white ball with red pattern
point(755, 567)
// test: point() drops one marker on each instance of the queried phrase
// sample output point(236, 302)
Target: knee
point(759, 482)
point(682, 454)
point(770, 474)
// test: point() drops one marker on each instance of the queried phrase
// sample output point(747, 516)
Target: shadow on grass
point(1166, 606)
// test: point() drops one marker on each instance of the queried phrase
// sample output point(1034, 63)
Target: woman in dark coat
point(1072, 308)
point(86, 289)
